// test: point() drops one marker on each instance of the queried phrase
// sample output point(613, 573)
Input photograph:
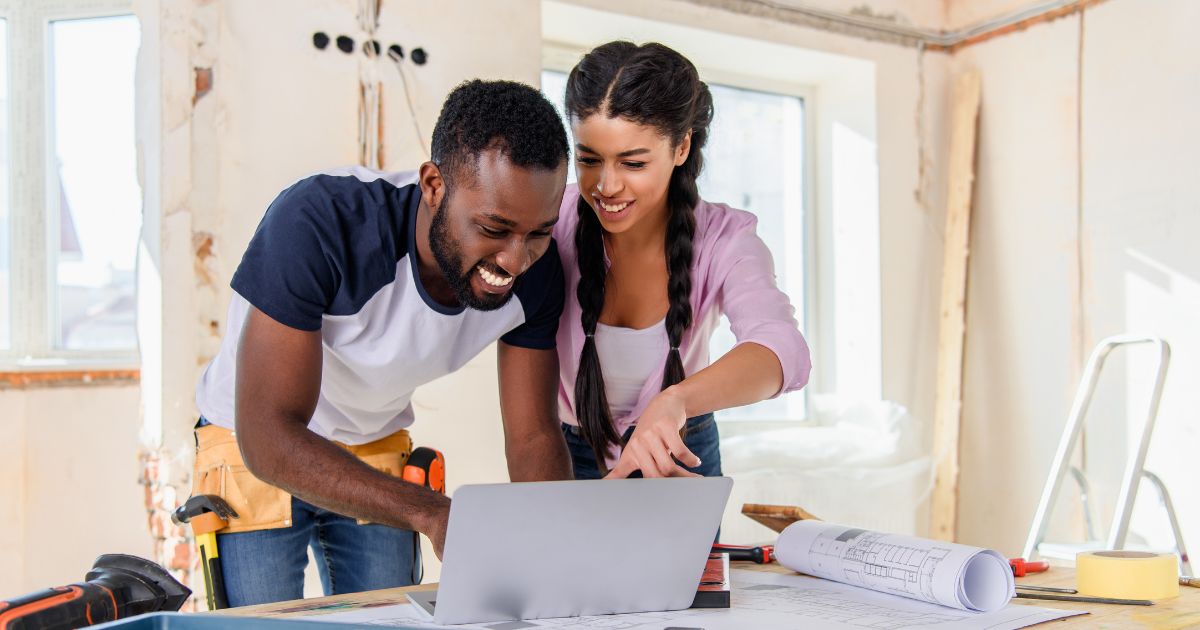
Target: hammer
point(207, 514)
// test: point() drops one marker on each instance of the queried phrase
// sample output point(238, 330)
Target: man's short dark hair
point(511, 117)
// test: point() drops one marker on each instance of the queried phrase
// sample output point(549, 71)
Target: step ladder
point(1134, 469)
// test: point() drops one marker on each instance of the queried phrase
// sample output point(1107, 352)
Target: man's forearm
point(539, 457)
point(319, 472)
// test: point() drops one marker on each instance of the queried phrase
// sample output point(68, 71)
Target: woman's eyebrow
point(638, 151)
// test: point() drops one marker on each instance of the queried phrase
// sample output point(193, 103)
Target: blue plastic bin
point(184, 621)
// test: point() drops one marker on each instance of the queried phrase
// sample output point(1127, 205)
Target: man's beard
point(449, 259)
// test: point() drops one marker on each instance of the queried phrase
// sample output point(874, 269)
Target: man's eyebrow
point(499, 219)
point(491, 216)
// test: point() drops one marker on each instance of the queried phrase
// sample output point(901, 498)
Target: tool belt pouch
point(220, 470)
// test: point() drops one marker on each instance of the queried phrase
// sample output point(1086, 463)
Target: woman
point(652, 268)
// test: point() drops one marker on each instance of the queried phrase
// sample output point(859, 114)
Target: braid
point(682, 197)
point(591, 401)
point(680, 231)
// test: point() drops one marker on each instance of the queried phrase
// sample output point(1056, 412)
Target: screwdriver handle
point(760, 555)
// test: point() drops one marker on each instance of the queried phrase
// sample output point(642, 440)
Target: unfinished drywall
point(1085, 228)
point(13, 464)
point(1018, 368)
point(72, 456)
point(1140, 221)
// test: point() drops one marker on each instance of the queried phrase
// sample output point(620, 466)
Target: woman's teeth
point(494, 279)
point(613, 208)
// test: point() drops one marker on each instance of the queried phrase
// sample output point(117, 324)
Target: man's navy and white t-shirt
point(336, 252)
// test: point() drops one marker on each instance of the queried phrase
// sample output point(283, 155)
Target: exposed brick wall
point(174, 547)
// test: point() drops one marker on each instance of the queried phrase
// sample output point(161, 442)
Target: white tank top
point(629, 357)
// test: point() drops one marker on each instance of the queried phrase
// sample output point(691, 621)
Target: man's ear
point(684, 148)
point(433, 187)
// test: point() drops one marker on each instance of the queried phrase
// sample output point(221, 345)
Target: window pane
point(554, 87)
point(94, 201)
point(755, 161)
point(5, 251)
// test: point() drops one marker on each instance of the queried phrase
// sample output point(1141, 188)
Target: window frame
point(33, 313)
point(561, 57)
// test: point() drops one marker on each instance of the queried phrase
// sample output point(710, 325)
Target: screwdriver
point(762, 554)
point(1021, 567)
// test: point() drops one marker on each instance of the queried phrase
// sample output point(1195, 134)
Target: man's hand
point(435, 529)
point(656, 444)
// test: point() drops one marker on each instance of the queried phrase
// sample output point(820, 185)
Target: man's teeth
point(493, 279)
point(614, 208)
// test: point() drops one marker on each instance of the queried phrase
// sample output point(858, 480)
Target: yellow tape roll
point(1127, 574)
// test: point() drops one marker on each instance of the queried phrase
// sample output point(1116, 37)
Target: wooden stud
point(952, 328)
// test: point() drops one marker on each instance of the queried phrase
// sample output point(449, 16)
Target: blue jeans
point(268, 565)
point(702, 439)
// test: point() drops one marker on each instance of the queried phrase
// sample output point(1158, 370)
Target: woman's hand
point(655, 443)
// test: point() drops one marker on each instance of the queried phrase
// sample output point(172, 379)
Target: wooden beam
point(952, 328)
point(67, 378)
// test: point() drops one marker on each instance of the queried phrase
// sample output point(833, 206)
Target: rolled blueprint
point(958, 576)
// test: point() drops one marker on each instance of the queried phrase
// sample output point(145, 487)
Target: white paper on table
point(958, 576)
point(762, 601)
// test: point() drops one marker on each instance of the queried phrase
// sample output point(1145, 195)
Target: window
point(5, 250)
point(754, 161)
point(69, 227)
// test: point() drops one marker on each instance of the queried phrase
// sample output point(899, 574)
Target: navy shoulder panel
point(325, 246)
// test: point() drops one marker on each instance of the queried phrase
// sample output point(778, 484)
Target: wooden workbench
point(1181, 612)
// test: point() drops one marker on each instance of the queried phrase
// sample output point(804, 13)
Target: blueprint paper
point(958, 576)
point(760, 600)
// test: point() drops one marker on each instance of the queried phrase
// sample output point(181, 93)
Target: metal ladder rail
point(1070, 436)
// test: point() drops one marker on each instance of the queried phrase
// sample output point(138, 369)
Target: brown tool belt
point(220, 471)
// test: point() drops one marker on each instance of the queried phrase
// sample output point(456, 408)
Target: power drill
point(118, 586)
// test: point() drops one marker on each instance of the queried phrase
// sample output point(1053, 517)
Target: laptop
point(571, 548)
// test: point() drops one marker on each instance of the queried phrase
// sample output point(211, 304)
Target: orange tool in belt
point(426, 467)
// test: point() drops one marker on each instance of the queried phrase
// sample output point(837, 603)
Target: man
point(356, 288)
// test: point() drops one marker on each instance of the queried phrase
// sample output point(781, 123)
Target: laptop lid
point(571, 548)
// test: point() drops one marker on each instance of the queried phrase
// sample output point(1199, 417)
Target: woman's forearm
point(747, 374)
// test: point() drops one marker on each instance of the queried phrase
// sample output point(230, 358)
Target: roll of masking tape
point(1127, 574)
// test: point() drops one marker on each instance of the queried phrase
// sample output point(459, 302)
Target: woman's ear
point(684, 148)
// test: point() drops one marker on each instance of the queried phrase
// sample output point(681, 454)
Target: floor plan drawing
point(959, 576)
point(866, 559)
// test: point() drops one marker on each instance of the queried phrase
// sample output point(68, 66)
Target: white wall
point(1033, 317)
point(1141, 218)
point(70, 464)
point(12, 500)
